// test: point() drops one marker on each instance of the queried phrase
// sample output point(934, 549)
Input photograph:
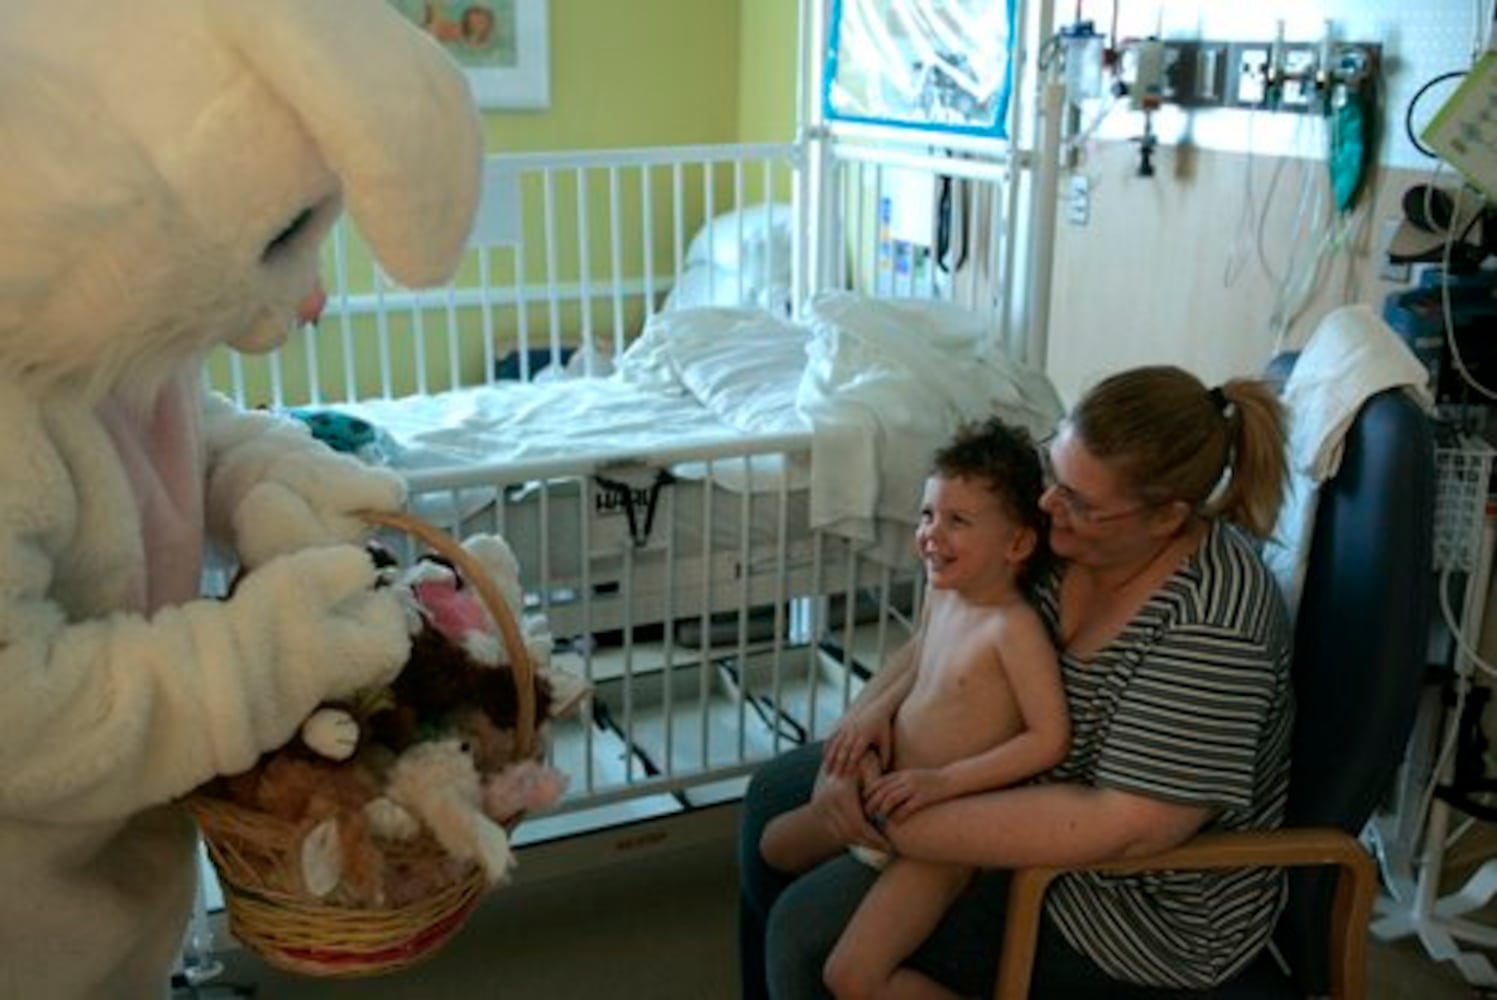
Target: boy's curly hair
point(1006, 458)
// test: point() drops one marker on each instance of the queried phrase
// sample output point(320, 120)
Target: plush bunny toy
point(169, 170)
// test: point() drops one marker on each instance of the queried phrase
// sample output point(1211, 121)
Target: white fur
point(332, 733)
point(155, 147)
point(153, 152)
point(493, 553)
point(438, 782)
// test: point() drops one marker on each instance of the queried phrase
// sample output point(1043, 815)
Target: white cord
point(1232, 269)
point(1461, 641)
point(1451, 735)
point(1273, 183)
point(1322, 234)
point(1447, 747)
point(1077, 142)
point(1445, 309)
point(1453, 725)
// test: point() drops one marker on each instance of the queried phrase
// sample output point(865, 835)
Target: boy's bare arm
point(868, 723)
point(896, 678)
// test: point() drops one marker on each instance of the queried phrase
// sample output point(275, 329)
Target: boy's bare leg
point(901, 910)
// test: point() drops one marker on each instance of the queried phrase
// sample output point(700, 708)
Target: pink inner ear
point(160, 448)
point(455, 613)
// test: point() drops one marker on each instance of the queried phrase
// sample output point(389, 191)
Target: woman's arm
point(1059, 825)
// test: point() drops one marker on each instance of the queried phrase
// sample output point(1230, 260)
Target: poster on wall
point(943, 65)
point(502, 45)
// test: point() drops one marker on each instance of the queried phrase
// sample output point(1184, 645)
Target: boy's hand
point(857, 734)
point(836, 802)
point(900, 794)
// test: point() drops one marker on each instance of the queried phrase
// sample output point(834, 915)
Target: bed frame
point(710, 648)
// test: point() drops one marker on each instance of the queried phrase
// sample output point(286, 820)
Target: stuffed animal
point(170, 169)
point(434, 752)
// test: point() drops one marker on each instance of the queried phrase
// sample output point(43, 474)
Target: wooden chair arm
point(1351, 910)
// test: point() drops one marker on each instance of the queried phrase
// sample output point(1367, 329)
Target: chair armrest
point(1351, 910)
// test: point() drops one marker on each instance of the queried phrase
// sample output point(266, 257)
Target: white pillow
point(756, 238)
point(701, 285)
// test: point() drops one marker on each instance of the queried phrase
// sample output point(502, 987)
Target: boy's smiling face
point(967, 539)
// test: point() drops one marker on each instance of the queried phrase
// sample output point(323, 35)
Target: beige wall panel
point(1165, 270)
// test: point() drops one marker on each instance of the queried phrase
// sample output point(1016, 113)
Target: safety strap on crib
point(624, 494)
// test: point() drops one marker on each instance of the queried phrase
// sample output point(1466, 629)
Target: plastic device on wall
point(1464, 130)
point(935, 65)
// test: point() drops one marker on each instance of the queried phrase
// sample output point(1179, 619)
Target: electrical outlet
point(1210, 73)
point(1193, 73)
point(1078, 200)
point(1251, 75)
point(1299, 65)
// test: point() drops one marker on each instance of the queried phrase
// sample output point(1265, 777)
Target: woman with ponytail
point(1174, 647)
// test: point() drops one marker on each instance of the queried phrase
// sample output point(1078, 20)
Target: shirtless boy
point(975, 700)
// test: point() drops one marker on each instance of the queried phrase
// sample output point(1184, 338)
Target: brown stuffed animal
point(439, 690)
point(434, 753)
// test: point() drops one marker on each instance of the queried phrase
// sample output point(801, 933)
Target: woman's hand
point(838, 804)
point(900, 794)
point(869, 729)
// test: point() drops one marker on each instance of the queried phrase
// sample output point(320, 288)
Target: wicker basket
point(315, 937)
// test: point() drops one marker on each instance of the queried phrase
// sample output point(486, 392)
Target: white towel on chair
point(1352, 356)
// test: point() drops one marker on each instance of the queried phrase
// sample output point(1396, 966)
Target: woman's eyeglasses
point(1078, 506)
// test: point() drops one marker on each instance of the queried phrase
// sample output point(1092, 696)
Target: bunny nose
point(310, 309)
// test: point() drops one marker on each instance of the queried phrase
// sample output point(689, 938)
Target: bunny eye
point(288, 235)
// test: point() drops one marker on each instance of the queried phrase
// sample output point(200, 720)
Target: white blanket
point(887, 383)
point(1352, 356)
point(880, 384)
point(512, 422)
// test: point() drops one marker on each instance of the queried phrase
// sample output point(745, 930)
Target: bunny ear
point(390, 112)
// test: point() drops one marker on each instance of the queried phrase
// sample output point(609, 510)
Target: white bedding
point(886, 384)
point(880, 384)
point(517, 421)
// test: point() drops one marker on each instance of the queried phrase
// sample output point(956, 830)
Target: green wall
point(624, 73)
point(633, 73)
point(767, 35)
point(662, 72)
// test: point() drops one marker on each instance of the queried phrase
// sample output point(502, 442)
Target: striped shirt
point(1190, 703)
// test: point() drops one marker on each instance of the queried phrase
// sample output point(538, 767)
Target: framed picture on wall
point(502, 45)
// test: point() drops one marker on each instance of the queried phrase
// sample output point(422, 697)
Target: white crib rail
point(967, 203)
point(574, 251)
point(570, 251)
point(727, 628)
point(717, 628)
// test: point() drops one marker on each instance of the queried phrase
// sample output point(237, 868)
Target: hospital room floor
point(656, 927)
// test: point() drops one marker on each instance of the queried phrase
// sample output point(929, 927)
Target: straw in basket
point(252, 850)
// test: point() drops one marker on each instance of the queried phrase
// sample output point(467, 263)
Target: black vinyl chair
point(1361, 636)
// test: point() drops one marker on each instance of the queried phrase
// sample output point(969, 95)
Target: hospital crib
point(683, 577)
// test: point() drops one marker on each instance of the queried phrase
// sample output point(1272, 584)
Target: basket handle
point(443, 544)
